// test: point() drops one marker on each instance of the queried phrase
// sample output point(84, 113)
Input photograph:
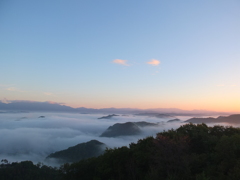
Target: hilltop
point(86, 150)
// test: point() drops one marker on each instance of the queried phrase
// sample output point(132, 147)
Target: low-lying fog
point(26, 136)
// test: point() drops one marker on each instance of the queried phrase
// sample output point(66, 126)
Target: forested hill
point(191, 152)
point(194, 152)
point(81, 151)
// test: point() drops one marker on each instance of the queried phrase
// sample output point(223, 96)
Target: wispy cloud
point(121, 62)
point(35, 102)
point(5, 101)
point(48, 93)
point(13, 89)
point(52, 102)
point(154, 62)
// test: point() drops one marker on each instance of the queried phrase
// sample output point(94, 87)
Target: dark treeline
point(26, 170)
point(191, 152)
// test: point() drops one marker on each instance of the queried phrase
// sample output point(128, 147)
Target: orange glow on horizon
point(209, 107)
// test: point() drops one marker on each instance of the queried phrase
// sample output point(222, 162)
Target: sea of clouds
point(25, 136)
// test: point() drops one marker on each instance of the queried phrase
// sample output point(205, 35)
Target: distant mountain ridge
point(157, 115)
point(235, 118)
point(25, 106)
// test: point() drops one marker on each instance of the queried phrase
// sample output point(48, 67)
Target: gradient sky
point(129, 53)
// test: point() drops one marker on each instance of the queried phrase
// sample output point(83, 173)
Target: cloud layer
point(25, 136)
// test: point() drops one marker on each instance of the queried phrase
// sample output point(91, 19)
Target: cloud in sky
point(48, 93)
point(13, 89)
point(154, 62)
point(52, 102)
point(5, 101)
point(121, 62)
point(31, 103)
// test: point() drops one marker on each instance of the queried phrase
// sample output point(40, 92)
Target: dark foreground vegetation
point(26, 170)
point(191, 152)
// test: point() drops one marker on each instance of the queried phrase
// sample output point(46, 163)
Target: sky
point(123, 54)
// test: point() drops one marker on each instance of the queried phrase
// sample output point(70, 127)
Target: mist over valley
point(35, 135)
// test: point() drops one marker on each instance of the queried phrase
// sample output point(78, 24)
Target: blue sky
point(64, 51)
